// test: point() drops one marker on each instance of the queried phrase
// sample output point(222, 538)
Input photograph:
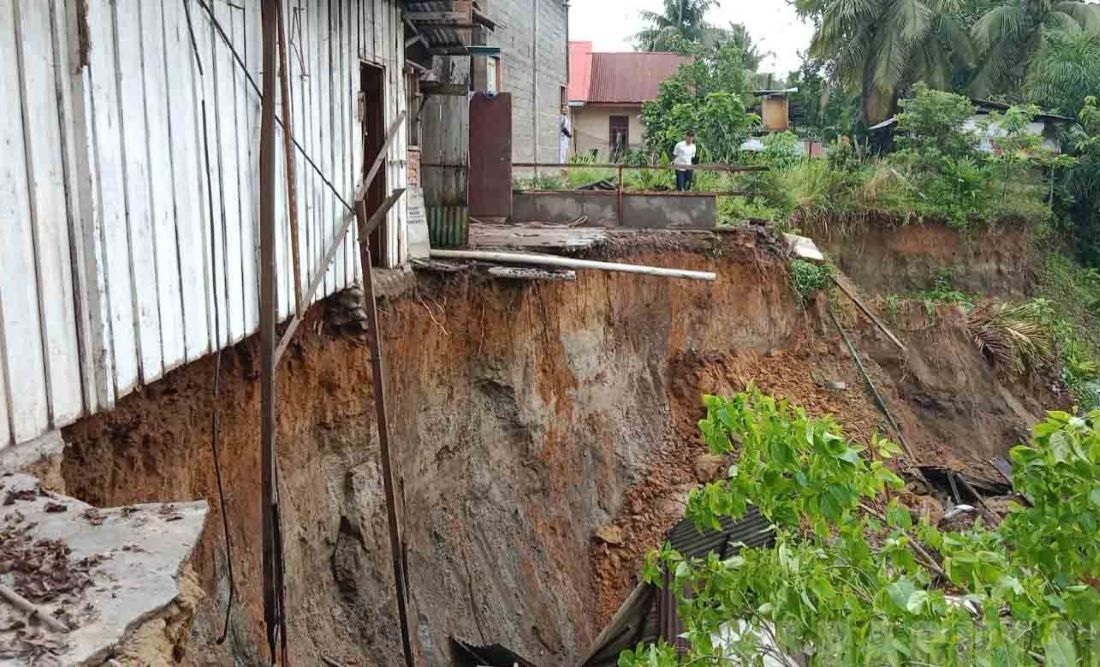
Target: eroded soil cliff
point(526, 416)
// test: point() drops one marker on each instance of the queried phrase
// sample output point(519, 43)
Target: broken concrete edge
point(139, 554)
point(40, 457)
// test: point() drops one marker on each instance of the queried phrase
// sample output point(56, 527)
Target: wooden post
point(379, 383)
point(271, 560)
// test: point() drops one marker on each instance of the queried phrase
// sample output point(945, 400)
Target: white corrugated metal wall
point(113, 267)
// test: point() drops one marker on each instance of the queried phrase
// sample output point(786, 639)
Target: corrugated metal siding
point(631, 78)
point(111, 272)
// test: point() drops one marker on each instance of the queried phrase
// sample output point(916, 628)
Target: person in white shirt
point(683, 156)
point(566, 127)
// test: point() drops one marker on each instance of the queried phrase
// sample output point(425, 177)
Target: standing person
point(566, 127)
point(683, 156)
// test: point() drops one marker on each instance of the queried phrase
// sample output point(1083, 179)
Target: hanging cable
point(215, 415)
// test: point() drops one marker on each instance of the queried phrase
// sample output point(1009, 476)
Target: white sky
point(773, 24)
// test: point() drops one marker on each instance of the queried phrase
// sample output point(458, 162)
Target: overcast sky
point(773, 24)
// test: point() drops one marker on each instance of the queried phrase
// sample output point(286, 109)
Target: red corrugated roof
point(580, 70)
point(631, 78)
point(618, 78)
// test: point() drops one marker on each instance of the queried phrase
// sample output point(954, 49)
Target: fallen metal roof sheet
point(648, 614)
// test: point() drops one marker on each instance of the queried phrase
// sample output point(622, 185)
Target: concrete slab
point(101, 572)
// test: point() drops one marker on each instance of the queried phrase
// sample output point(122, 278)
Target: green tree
point(1081, 188)
point(879, 47)
point(1009, 37)
point(1066, 69)
point(826, 111)
point(682, 23)
point(709, 96)
point(855, 579)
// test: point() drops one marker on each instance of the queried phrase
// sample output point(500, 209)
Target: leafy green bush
point(854, 579)
point(808, 278)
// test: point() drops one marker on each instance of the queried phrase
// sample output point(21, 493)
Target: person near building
point(683, 157)
point(566, 134)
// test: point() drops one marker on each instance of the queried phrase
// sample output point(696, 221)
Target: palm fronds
point(1017, 338)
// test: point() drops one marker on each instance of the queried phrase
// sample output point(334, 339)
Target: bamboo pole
point(866, 311)
point(26, 606)
point(570, 263)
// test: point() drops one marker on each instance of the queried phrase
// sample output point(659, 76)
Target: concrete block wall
point(534, 71)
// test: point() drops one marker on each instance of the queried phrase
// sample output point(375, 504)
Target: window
point(492, 75)
point(618, 134)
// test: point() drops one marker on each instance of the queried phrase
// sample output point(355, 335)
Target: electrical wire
point(215, 415)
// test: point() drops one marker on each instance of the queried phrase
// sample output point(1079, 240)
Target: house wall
point(533, 39)
point(121, 255)
point(591, 128)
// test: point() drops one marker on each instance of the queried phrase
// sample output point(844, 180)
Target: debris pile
point(75, 580)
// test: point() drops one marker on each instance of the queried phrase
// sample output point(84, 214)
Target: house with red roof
point(606, 93)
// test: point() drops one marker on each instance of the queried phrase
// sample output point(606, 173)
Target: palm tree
point(682, 22)
point(1065, 70)
point(1010, 35)
point(881, 46)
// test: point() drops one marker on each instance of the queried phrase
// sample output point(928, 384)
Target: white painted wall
point(118, 261)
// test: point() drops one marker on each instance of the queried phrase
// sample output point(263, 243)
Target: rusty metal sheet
point(490, 179)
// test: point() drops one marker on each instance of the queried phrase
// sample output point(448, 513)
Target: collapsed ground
point(546, 433)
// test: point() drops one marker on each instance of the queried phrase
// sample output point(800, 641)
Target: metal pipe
point(570, 263)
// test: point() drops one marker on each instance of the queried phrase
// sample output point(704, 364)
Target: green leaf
point(916, 601)
point(1059, 651)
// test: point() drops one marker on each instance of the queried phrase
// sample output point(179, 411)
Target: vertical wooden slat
point(324, 122)
point(109, 217)
point(223, 116)
point(309, 54)
point(336, 97)
point(135, 152)
point(20, 333)
point(160, 155)
point(212, 184)
point(246, 131)
point(188, 191)
point(298, 91)
point(46, 169)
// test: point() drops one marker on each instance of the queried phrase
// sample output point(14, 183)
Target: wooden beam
point(461, 50)
point(437, 17)
point(444, 88)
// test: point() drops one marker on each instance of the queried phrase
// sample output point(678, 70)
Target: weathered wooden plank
point(139, 213)
point(300, 97)
point(357, 128)
point(307, 46)
point(336, 48)
point(225, 74)
point(247, 164)
point(20, 333)
point(189, 195)
point(45, 160)
point(93, 313)
point(110, 216)
point(161, 185)
point(213, 187)
point(324, 121)
point(313, 44)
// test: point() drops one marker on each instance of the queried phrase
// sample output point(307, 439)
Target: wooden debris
point(23, 604)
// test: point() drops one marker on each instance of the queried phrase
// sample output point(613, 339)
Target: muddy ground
point(525, 416)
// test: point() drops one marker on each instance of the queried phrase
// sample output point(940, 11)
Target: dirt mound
point(1000, 261)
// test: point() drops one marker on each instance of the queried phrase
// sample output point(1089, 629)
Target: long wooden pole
point(271, 572)
point(379, 382)
point(570, 263)
point(871, 316)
